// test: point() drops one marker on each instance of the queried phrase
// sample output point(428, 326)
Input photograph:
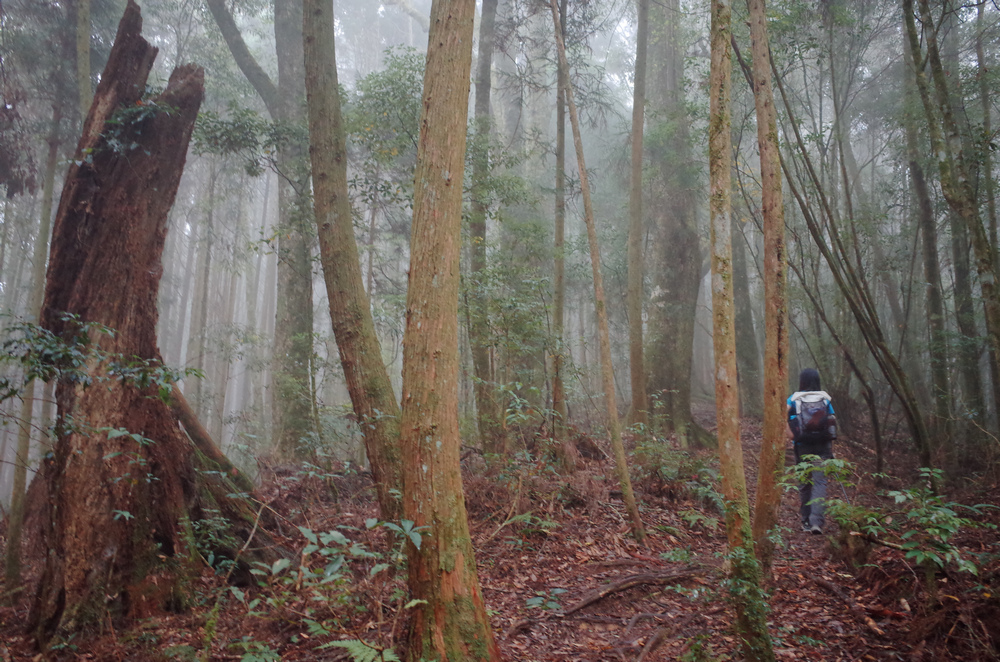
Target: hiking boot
point(815, 530)
point(805, 527)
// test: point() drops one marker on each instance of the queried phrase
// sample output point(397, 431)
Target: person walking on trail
point(812, 427)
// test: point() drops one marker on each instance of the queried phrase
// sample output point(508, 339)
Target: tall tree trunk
point(452, 623)
point(986, 104)
point(636, 228)
point(749, 600)
point(927, 225)
point(290, 406)
point(12, 567)
point(83, 56)
point(115, 507)
point(567, 454)
point(600, 304)
point(293, 339)
point(776, 346)
point(954, 170)
point(678, 256)
point(489, 413)
point(350, 312)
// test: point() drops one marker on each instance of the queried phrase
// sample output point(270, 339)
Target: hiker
point(812, 426)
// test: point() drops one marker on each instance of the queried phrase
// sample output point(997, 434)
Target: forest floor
point(563, 580)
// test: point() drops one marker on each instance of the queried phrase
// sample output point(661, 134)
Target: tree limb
point(261, 82)
point(656, 578)
point(422, 19)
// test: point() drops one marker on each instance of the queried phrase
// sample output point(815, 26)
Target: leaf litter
point(562, 579)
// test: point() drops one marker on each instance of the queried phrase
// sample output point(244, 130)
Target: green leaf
point(334, 537)
point(362, 652)
point(414, 603)
point(309, 535)
point(279, 566)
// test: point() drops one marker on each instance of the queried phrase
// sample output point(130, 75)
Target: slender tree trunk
point(927, 225)
point(83, 56)
point(750, 603)
point(12, 568)
point(198, 335)
point(251, 385)
point(953, 169)
point(747, 348)
point(600, 305)
point(636, 228)
point(567, 453)
point(223, 362)
point(177, 353)
point(986, 103)
point(350, 312)
point(986, 175)
point(452, 623)
point(776, 346)
point(115, 507)
point(488, 405)
point(290, 406)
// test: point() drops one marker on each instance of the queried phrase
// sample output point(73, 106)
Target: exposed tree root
point(654, 578)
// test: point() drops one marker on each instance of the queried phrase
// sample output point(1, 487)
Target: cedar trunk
point(636, 266)
point(749, 601)
point(567, 454)
point(489, 412)
point(451, 623)
point(772, 456)
point(677, 261)
point(116, 507)
point(360, 353)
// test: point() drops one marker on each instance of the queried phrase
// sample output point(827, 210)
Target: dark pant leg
point(813, 492)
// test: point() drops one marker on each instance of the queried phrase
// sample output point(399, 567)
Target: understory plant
point(334, 578)
point(921, 522)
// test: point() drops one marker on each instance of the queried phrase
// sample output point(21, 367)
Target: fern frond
point(362, 652)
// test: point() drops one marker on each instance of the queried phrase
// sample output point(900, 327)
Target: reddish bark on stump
point(113, 527)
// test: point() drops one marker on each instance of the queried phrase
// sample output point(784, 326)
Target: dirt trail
point(674, 606)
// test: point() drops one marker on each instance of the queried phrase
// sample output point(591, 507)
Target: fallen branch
point(852, 606)
point(202, 440)
point(875, 541)
point(655, 578)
